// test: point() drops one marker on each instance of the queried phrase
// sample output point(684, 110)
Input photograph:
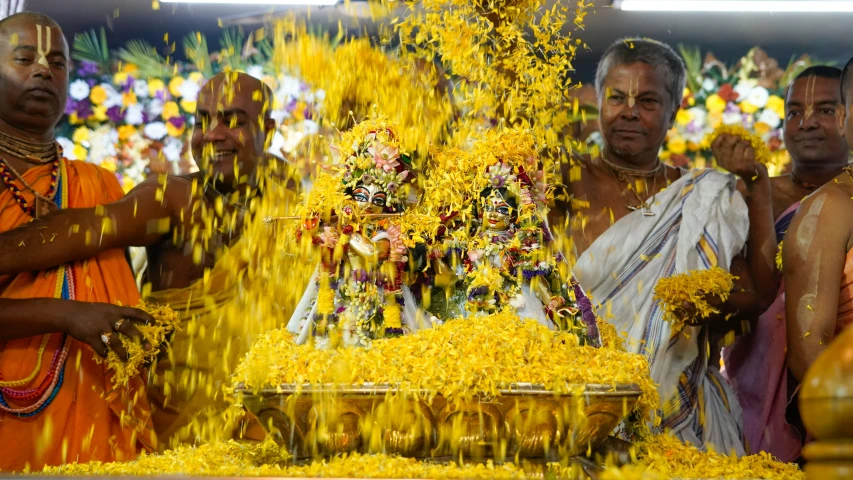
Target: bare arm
point(21, 318)
point(813, 258)
point(738, 157)
point(139, 219)
point(743, 304)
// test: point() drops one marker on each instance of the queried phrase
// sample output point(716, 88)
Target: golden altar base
point(524, 421)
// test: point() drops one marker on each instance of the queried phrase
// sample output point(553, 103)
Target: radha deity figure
point(357, 293)
point(508, 262)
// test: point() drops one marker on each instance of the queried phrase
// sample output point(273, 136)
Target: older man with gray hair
point(634, 220)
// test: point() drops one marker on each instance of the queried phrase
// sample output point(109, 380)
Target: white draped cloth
point(699, 221)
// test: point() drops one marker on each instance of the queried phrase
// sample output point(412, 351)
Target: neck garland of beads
point(9, 181)
point(46, 391)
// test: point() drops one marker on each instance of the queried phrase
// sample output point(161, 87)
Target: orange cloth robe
point(90, 417)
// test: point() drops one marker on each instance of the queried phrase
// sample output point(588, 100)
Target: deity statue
point(508, 260)
point(357, 294)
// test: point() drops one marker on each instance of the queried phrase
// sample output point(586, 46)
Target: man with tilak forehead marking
point(817, 258)
point(633, 220)
point(190, 226)
point(58, 404)
point(756, 363)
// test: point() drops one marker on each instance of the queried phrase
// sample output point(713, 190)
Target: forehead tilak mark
point(43, 51)
point(811, 81)
point(633, 91)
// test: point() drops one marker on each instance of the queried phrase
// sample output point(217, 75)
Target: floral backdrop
point(131, 110)
point(750, 93)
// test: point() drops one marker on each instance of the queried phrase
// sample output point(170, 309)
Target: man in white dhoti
point(634, 220)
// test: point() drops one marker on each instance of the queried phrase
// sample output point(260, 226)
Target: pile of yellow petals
point(693, 287)
point(234, 458)
point(165, 322)
point(664, 456)
point(762, 151)
point(460, 359)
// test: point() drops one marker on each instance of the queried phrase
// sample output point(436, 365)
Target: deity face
point(371, 198)
point(497, 213)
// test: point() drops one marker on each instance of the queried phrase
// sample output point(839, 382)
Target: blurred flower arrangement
point(131, 110)
point(750, 94)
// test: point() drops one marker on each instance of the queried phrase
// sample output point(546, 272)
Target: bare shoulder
point(837, 193)
point(828, 211)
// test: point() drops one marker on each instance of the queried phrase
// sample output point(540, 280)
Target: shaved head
point(233, 127)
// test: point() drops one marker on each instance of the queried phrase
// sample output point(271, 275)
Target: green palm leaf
point(150, 63)
point(91, 47)
point(693, 63)
point(195, 48)
point(797, 66)
point(232, 49)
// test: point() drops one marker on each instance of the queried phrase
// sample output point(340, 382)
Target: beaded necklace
point(42, 204)
point(46, 391)
point(39, 153)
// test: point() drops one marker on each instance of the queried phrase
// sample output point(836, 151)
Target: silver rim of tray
point(520, 389)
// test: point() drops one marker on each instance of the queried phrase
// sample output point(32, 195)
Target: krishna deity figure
point(357, 294)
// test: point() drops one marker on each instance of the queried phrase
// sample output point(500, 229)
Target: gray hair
point(651, 52)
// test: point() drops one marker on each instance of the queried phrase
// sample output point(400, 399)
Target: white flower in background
point(310, 127)
point(256, 71)
point(733, 118)
point(758, 96)
point(102, 144)
point(140, 88)
point(155, 108)
point(770, 117)
point(709, 85)
point(134, 171)
point(78, 90)
point(189, 91)
point(114, 99)
point(276, 145)
point(279, 116)
point(320, 95)
point(289, 87)
point(133, 115)
point(155, 130)
point(699, 115)
point(743, 88)
point(172, 149)
point(67, 148)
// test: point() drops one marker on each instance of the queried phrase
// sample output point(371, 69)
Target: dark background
point(827, 37)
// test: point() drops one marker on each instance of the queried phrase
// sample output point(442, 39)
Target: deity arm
point(814, 254)
point(369, 249)
point(139, 219)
